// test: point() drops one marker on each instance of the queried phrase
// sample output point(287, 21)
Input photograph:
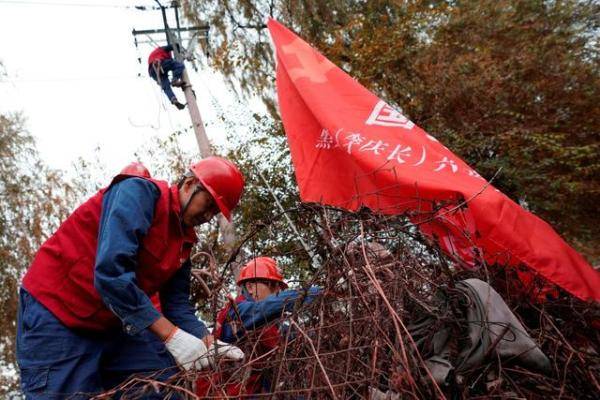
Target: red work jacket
point(159, 54)
point(268, 338)
point(61, 276)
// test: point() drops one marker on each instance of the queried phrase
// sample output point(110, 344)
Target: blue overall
point(255, 314)
point(58, 363)
point(162, 78)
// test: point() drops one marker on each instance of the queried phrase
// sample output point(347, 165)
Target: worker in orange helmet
point(253, 316)
point(86, 321)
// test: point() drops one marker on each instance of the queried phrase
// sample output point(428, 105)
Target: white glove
point(188, 350)
point(225, 350)
point(191, 352)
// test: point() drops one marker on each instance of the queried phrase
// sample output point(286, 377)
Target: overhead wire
point(65, 79)
point(142, 74)
point(160, 103)
point(87, 5)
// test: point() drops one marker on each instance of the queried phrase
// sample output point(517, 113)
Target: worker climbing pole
point(181, 79)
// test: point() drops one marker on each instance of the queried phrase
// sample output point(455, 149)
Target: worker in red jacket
point(254, 317)
point(160, 62)
point(86, 321)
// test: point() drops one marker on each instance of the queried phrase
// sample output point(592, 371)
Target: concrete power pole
point(190, 97)
point(226, 229)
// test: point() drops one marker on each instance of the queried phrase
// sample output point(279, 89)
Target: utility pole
point(190, 97)
point(226, 229)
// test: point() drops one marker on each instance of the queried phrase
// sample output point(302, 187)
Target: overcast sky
point(73, 72)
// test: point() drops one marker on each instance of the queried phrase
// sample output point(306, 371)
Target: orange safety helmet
point(222, 179)
point(136, 169)
point(261, 268)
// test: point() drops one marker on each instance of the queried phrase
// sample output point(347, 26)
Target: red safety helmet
point(261, 268)
point(222, 179)
point(136, 169)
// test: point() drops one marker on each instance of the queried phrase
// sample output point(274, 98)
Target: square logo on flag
point(384, 115)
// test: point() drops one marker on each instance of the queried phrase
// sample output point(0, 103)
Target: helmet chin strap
point(197, 190)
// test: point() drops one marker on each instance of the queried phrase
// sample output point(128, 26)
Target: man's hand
point(224, 350)
point(189, 351)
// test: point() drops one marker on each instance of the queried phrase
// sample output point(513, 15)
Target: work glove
point(187, 350)
point(191, 353)
point(224, 350)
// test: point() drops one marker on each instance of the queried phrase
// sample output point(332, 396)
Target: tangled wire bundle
point(387, 294)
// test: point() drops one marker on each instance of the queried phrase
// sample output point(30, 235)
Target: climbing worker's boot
point(177, 104)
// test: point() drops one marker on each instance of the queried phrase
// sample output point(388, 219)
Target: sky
point(73, 72)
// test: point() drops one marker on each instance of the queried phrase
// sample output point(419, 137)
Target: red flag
point(350, 149)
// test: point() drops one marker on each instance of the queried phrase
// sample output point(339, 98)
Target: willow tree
point(34, 199)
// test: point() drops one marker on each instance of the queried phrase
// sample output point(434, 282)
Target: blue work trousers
point(58, 363)
point(162, 77)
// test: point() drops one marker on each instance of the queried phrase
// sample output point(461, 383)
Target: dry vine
point(380, 277)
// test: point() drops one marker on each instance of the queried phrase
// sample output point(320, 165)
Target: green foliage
point(165, 158)
point(264, 159)
point(34, 200)
point(505, 84)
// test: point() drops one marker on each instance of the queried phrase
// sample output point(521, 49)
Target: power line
point(66, 79)
point(88, 5)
